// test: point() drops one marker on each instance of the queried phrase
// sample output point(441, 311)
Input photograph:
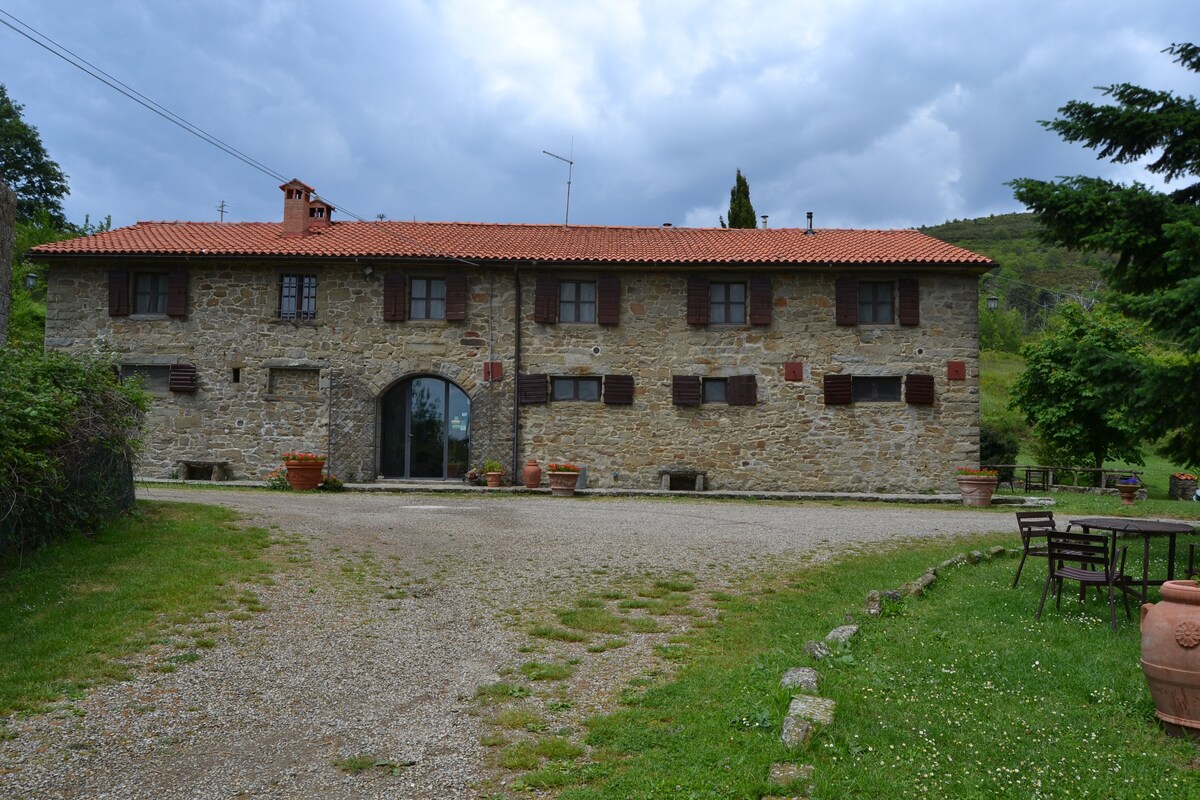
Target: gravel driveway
point(336, 667)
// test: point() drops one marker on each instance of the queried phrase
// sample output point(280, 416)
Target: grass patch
point(544, 671)
point(77, 609)
point(607, 644)
point(957, 694)
point(501, 691)
point(593, 620)
point(558, 634)
point(519, 719)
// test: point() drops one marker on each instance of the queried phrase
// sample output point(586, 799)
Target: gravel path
point(337, 668)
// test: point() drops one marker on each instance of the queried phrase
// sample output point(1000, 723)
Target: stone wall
point(266, 386)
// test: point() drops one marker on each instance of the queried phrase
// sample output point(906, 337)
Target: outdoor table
point(1144, 528)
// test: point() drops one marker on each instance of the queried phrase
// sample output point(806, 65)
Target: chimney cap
point(666, 225)
point(297, 183)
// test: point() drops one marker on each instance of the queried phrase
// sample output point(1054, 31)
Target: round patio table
point(1144, 528)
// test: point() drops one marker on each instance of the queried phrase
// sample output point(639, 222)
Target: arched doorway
point(425, 425)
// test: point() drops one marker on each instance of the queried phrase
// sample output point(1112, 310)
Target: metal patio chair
point(1035, 527)
point(1090, 559)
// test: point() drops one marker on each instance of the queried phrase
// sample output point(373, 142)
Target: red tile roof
point(546, 243)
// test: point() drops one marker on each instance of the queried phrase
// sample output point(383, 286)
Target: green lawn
point(76, 610)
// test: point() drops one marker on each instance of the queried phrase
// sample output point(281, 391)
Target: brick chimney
point(297, 198)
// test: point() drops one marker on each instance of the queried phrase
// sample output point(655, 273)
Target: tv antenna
point(570, 169)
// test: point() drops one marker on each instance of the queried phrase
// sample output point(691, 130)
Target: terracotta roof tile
point(503, 242)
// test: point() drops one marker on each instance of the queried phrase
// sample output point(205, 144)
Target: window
point(715, 390)
point(297, 296)
point(875, 389)
point(428, 299)
point(584, 389)
point(150, 293)
point(155, 378)
point(576, 301)
point(875, 302)
point(726, 303)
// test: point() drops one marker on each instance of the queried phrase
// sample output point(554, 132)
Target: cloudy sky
point(870, 114)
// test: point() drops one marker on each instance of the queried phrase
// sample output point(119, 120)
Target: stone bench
point(193, 470)
point(683, 479)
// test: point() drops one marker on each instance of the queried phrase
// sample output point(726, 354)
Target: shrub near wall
point(68, 431)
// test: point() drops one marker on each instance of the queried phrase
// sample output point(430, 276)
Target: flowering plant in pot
point(976, 485)
point(563, 477)
point(493, 471)
point(1128, 489)
point(304, 469)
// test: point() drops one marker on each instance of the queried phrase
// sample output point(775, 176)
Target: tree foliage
point(1075, 390)
point(38, 181)
point(741, 210)
point(1154, 235)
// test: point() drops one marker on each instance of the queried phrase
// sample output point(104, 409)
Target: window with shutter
point(182, 379)
point(846, 301)
point(697, 300)
point(395, 297)
point(910, 302)
point(427, 298)
point(532, 389)
point(726, 303)
point(918, 389)
point(685, 390)
point(875, 302)
point(839, 390)
point(761, 300)
point(876, 389)
point(715, 390)
point(577, 389)
point(150, 290)
point(118, 293)
point(618, 389)
point(576, 301)
point(297, 297)
point(456, 298)
point(177, 293)
point(742, 390)
point(545, 301)
point(608, 299)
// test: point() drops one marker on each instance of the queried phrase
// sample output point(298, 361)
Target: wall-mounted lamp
point(368, 271)
point(31, 280)
point(993, 303)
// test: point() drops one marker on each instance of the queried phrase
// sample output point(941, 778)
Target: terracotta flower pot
point(562, 484)
point(493, 478)
point(1128, 493)
point(977, 490)
point(1171, 656)
point(304, 475)
point(533, 474)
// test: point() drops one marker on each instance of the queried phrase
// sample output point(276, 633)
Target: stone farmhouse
point(762, 359)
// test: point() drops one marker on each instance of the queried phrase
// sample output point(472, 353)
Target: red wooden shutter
point(918, 389)
point(182, 378)
point(847, 301)
point(456, 297)
point(685, 390)
point(545, 302)
point(910, 302)
point(760, 300)
point(618, 389)
point(741, 390)
point(697, 300)
point(395, 297)
point(118, 293)
point(839, 390)
point(177, 293)
point(532, 389)
point(608, 300)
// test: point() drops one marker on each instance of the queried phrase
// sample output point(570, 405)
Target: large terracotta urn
point(1171, 656)
point(976, 490)
point(533, 474)
point(304, 475)
point(562, 484)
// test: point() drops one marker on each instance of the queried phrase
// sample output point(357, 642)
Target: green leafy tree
point(38, 181)
point(1000, 330)
point(1154, 235)
point(1075, 390)
point(741, 211)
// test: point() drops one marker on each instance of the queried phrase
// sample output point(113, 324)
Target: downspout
point(516, 449)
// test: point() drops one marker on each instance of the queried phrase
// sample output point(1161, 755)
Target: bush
point(998, 443)
point(67, 431)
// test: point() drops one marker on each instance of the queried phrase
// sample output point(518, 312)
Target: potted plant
point(493, 471)
point(563, 477)
point(303, 469)
point(1128, 487)
point(976, 485)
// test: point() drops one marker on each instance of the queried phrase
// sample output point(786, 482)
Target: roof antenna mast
point(570, 169)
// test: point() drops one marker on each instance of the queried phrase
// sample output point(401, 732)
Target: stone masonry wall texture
point(788, 440)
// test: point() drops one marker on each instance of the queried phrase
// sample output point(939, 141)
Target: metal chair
point(1096, 557)
point(1035, 527)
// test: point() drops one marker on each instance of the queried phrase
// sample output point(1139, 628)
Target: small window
point(155, 378)
point(297, 296)
point(237, 374)
point(876, 389)
point(428, 299)
point(584, 389)
point(715, 390)
point(726, 303)
point(576, 301)
point(875, 303)
point(150, 293)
